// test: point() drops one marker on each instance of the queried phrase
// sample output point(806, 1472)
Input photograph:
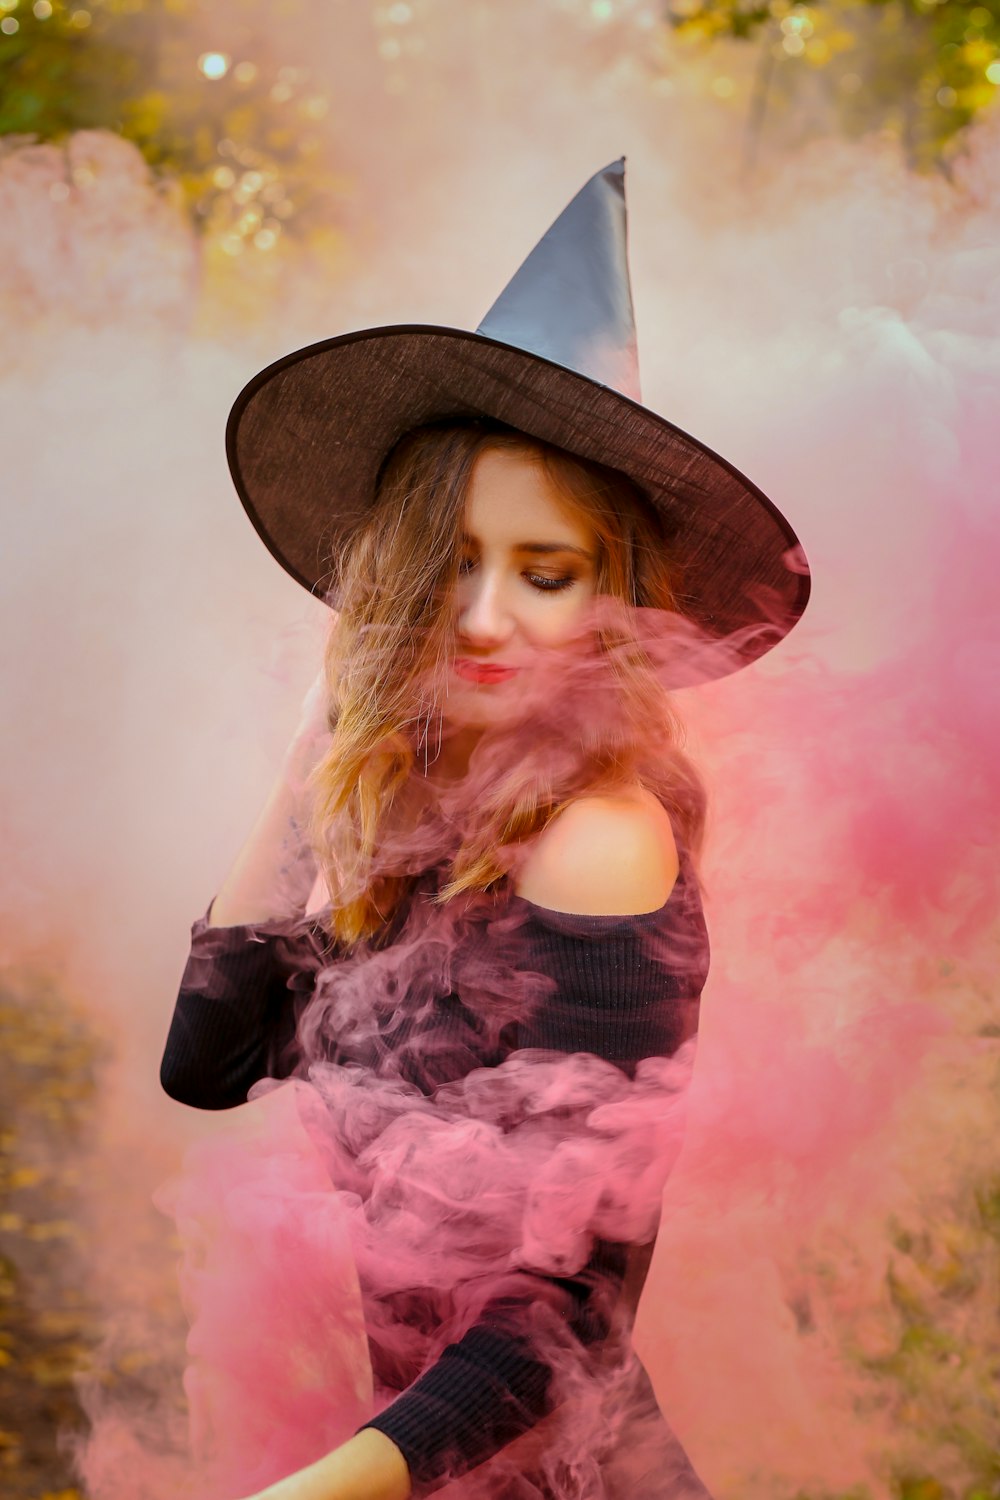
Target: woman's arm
point(368, 1466)
point(234, 1018)
point(495, 1383)
point(274, 872)
point(237, 1005)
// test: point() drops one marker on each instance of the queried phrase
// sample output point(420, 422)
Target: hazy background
point(816, 268)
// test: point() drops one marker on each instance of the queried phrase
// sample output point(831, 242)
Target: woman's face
point(528, 570)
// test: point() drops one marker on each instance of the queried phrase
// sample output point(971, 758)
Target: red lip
point(482, 671)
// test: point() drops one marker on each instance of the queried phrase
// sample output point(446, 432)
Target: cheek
point(558, 620)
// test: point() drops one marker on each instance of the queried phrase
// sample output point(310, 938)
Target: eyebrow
point(541, 548)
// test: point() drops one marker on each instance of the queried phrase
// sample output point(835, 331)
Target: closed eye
point(541, 582)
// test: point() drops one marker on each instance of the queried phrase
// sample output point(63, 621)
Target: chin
point(481, 718)
point(481, 710)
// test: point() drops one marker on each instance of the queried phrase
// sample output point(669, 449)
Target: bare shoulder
point(607, 855)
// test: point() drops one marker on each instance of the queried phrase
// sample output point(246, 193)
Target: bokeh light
point(214, 64)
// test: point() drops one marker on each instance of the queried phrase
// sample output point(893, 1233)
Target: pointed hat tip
point(570, 301)
point(613, 174)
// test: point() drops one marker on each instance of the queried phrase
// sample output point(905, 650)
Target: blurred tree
point(920, 69)
point(242, 138)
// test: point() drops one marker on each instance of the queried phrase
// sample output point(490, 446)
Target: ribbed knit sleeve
point(493, 1385)
point(234, 1021)
point(622, 991)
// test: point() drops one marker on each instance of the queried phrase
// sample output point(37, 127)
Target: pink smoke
point(833, 331)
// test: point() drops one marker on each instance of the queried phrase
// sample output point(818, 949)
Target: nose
point(484, 619)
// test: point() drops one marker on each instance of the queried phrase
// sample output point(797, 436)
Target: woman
point(489, 998)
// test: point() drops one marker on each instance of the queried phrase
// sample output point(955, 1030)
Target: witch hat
point(555, 357)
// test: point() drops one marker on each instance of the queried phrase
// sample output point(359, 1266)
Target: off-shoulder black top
point(621, 987)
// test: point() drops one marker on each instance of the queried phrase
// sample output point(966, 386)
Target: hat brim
point(307, 436)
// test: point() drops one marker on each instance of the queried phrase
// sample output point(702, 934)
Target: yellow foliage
point(55, 1229)
point(977, 95)
point(817, 52)
point(839, 40)
point(978, 52)
point(23, 1177)
point(146, 114)
point(240, 122)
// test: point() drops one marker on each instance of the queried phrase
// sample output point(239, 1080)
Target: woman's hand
point(274, 875)
point(312, 733)
point(314, 717)
point(368, 1466)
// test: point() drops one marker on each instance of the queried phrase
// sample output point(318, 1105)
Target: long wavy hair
point(394, 630)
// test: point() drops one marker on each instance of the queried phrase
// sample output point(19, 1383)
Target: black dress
point(500, 1086)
